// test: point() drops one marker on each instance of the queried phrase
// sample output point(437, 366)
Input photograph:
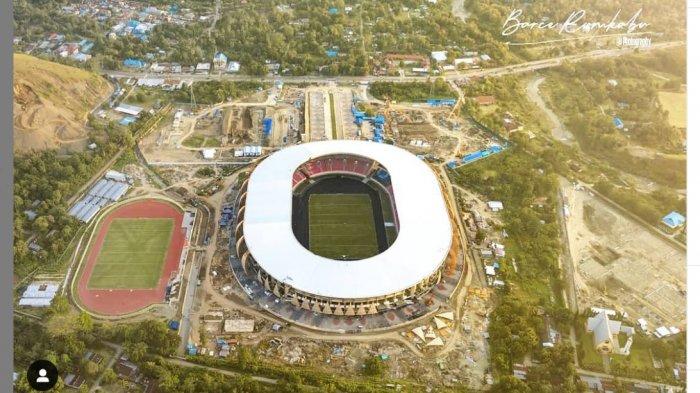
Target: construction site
point(621, 264)
point(202, 154)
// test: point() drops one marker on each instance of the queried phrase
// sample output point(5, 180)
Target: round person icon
point(42, 377)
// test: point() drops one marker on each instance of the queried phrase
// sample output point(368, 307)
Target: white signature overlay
point(574, 23)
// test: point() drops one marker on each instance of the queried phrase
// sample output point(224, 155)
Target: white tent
point(436, 342)
point(450, 316)
point(439, 323)
point(419, 332)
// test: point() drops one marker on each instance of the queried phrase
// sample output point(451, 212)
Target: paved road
point(185, 363)
point(511, 69)
point(188, 300)
point(624, 379)
point(117, 353)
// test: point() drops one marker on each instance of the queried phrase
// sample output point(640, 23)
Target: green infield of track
point(341, 226)
point(132, 254)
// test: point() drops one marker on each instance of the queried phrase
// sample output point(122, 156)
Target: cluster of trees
point(648, 206)
point(517, 178)
point(412, 91)
point(510, 96)
point(298, 36)
point(144, 343)
point(301, 378)
point(214, 92)
point(586, 102)
point(43, 182)
point(64, 348)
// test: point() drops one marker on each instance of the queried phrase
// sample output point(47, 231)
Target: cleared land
point(51, 102)
point(675, 104)
point(341, 226)
point(133, 254)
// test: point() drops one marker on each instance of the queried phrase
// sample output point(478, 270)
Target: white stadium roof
point(419, 250)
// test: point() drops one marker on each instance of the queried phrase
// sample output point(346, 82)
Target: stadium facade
point(408, 267)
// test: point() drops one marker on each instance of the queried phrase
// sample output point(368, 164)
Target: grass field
point(132, 254)
point(341, 226)
point(675, 104)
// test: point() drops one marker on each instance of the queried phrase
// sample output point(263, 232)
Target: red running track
point(124, 301)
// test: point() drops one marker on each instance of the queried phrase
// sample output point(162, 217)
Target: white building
point(233, 67)
point(202, 68)
point(495, 206)
point(208, 154)
point(439, 56)
point(220, 61)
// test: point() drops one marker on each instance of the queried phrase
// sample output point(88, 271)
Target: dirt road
point(459, 11)
point(559, 131)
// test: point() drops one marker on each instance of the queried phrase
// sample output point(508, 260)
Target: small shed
point(495, 205)
point(673, 220)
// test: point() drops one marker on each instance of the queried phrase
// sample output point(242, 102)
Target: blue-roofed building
point(134, 63)
point(441, 102)
point(220, 61)
point(126, 120)
point(267, 126)
point(673, 220)
point(618, 123)
point(332, 53)
point(333, 11)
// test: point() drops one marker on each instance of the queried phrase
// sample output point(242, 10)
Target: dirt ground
point(51, 103)
point(619, 264)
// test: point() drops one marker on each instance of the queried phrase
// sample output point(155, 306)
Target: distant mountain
point(51, 103)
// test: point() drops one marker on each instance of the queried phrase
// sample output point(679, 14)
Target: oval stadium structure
point(343, 227)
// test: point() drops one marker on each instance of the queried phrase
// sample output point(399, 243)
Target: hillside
point(51, 103)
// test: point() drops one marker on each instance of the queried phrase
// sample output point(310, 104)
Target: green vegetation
point(374, 367)
point(509, 92)
point(676, 104)
point(143, 342)
point(341, 226)
point(205, 171)
point(132, 254)
point(198, 140)
point(333, 125)
point(411, 91)
point(649, 207)
point(127, 158)
point(586, 102)
point(518, 177)
point(43, 182)
point(298, 35)
point(246, 361)
point(639, 364)
point(214, 92)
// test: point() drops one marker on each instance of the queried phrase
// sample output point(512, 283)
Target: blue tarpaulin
point(673, 220)
point(126, 120)
point(618, 122)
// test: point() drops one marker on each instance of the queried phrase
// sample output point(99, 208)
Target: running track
point(123, 301)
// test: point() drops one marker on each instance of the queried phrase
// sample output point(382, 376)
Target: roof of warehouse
point(419, 250)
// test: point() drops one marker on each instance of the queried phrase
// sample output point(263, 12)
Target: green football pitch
point(132, 254)
point(341, 226)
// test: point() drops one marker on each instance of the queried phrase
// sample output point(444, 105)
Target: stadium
point(343, 227)
point(134, 259)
